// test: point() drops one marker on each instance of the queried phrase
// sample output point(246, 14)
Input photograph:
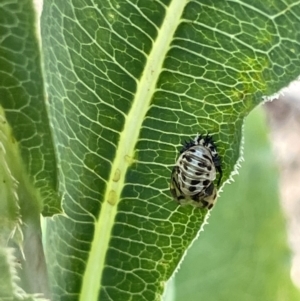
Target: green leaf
point(245, 243)
point(126, 83)
point(27, 162)
point(19, 223)
point(22, 97)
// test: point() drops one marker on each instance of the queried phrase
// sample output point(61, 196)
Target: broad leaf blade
point(27, 161)
point(22, 97)
point(127, 83)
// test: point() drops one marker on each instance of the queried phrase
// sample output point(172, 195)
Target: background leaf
point(22, 97)
point(9, 280)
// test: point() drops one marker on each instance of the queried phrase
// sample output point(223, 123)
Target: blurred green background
point(243, 253)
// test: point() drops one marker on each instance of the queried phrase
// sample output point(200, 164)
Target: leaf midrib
point(92, 278)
